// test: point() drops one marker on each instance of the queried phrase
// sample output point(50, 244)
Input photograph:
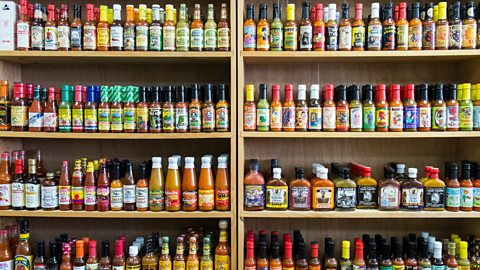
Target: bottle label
point(118, 267)
point(329, 117)
point(389, 196)
point(129, 194)
point(35, 119)
point(4, 114)
point(116, 36)
point(51, 38)
point(412, 198)
point(396, 117)
point(92, 266)
point(189, 198)
point(77, 119)
point(18, 195)
point(194, 118)
point(178, 265)
point(254, 196)
point(103, 36)
point(169, 38)
point(19, 116)
point(64, 197)
point(381, 119)
point(103, 196)
point(277, 197)
point(23, 35)
point(116, 197)
point(301, 197)
point(345, 37)
point(117, 119)
point(90, 119)
point(196, 38)
point(49, 196)
point(388, 36)
point(129, 118)
point(7, 265)
point(64, 117)
point(32, 195)
point(76, 37)
point(5, 194)
point(319, 37)
point(368, 118)
point(357, 267)
point(249, 117)
point(222, 197)
point(37, 36)
point(263, 118)
point(291, 38)
point(386, 267)
point(375, 36)
point(345, 197)
point(181, 118)
point(455, 36)
point(453, 197)
point(206, 198)
point(77, 195)
point(476, 116)
point(415, 36)
point(367, 196)
point(466, 116)
point(155, 38)
point(289, 117)
point(192, 265)
point(172, 198)
point(476, 197)
point(315, 118)
point(276, 117)
point(249, 37)
point(358, 36)
point(165, 265)
point(63, 36)
point(222, 121)
point(155, 116)
point(434, 197)
point(83, 267)
point(208, 265)
point(222, 262)
point(208, 117)
point(424, 117)
point(466, 197)
point(210, 38)
point(438, 117)
point(438, 267)
point(402, 36)
point(356, 118)
point(469, 36)
point(141, 194)
point(141, 36)
point(90, 195)
point(103, 119)
point(168, 118)
point(410, 117)
point(301, 121)
point(223, 38)
point(332, 38)
point(442, 36)
point(129, 38)
point(276, 38)
point(156, 198)
point(398, 267)
point(262, 37)
point(428, 33)
point(311, 267)
point(89, 37)
point(23, 262)
point(342, 119)
point(305, 36)
point(466, 267)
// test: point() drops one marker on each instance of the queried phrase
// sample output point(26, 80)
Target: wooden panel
point(361, 135)
point(10, 72)
point(114, 214)
point(119, 136)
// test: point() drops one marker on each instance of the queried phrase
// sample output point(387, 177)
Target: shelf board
point(357, 214)
point(96, 57)
point(358, 56)
point(360, 135)
point(114, 214)
point(114, 136)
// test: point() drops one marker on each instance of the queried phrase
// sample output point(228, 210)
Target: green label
point(291, 37)
point(385, 267)
point(155, 41)
point(276, 37)
point(210, 38)
point(195, 117)
point(369, 118)
point(117, 117)
point(438, 117)
point(182, 37)
point(466, 116)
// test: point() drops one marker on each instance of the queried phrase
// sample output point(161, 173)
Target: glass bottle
point(79, 261)
point(415, 29)
point(367, 193)
point(355, 107)
point(331, 35)
point(141, 29)
point(66, 257)
point(156, 186)
point(374, 29)
point(128, 30)
point(330, 261)
point(301, 109)
point(438, 110)
point(103, 30)
point(263, 29)
point(90, 30)
point(118, 261)
point(52, 261)
point(345, 30)
point(434, 192)
point(345, 192)
point(165, 261)
point(452, 189)
point(18, 186)
point(249, 30)
point(223, 30)
point(169, 30)
point(319, 29)
point(276, 110)
point(254, 188)
point(469, 30)
point(51, 32)
point(389, 36)
point(63, 29)
point(276, 29)
point(222, 185)
point(193, 261)
point(314, 109)
point(455, 27)
point(305, 29)
point(300, 191)
point(210, 33)
point(179, 259)
point(412, 192)
point(466, 189)
point(389, 192)
point(277, 192)
point(222, 110)
point(345, 262)
point(451, 261)
point(32, 187)
point(428, 28)
point(37, 29)
point(368, 108)
point(442, 35)
point(263, 109)
point(402, 27)
point(172, 186)
point(466, 109)
point(290, 30)
point(182, 34)
point(24, 250)
point(196, 31)
point(208, 110)
point(39, 262)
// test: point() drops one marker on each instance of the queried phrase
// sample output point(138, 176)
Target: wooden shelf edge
point(119, 136)
point(360, 135)
point(365, 214)
point(116, 54)
point(114, 214)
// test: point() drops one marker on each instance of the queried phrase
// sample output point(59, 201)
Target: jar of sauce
point(276, 192)
point(254, 188)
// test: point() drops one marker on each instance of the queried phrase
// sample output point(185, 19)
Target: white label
point(18, 194)
point(305, 37)
point(141, 36)
point(49, 196)
point(181, 118)
point(79, 267)
point(64, 36)
point(396, 117)
point(424, 117)
point(92, 266)
point(90, 195)
point(329, 117)
point(142, 197)
point(116, 197)
point(5, 194)
point(23, 35)
point(37, 36)
point(35, 119)
point(118, 267)
point(345, 37)
point(356, 117)
point(7, 265)
point(50, 119)
point(466, 197)
point(169, 38)
point(116, 36)
point(51, 38)
point(32, 195)
point(129, 193)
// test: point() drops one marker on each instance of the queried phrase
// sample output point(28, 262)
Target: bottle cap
point(277, 173)
point(133, 251)
point(412, 172)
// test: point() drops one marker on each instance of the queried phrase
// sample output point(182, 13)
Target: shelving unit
point(115, 214)
point(116, 136)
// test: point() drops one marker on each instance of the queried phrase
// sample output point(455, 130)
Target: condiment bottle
point(129, 113)
point(355, 106)
point(277, 192)
point(19, 109)
point(223, 30)
point(358, 29)
point(328, 109)
point(222, 250)
point(428, 28)
point(288, 109)
point(168, 111)
point(466, 109)
point(395, 109)
point(181, 111)
point(254, 188)
point(193, 261)
point(402, 28)
point(141, 29)
point(276, 110)
point(206, 186)
point(155, 112)
point(90, 189)
point(368, 108)
point(382, 111)
point(208, 111)
point(65, 188)
point(345, 30)
point(5, 104)
point(385, 261)
point(118, 261)
point(342, 110)
point(103, 189)
point(23, 251)
point(66, 257)
point(77, 110)
point(141, 113)
point(222, 110)
point(322, 190)
point(412, 192)
point(249, 109)
point(116, 29)
point(18, 186)
point(438, 110)
point(389, 195)
point(169, 29)
point(222, 185)
point(133, 261)
point(300, 191)
point(182, 34)
point(63, 29)
point(345, 192)
point(39, 262)
point(469, 30)
point(210, 32)
point(314, 109)
point(415, 29)
point(105, 262)
point(156, 186)
point(410, 110)
point(37, 30)
point(263, 109)
point(103, 30)
point(290, 29)
point(196, 30)
point(359, 261)
point(466, 188)
point(90, 30)
point(128, 30)
point(92, 261)
point(305, 30)
point(451, 261)
point(345, 261)
point(331, 36)
point(397, 262)
point(388, 42)
point(455, 27)
point(90, 111)
point(263, 29)
point(51, 33)
point(463, 261)
point(49, 193)
point(301, 109)
point(301, 262)
point(64, 111)
point(173, 186)
point(424, 109)
point(35, 113)
point(276, 29)
point(453, 189)
point(313, 261)
point(249, 262)
point(104, 112)
point(32, 187)
point(367, 193)
point(262, 259)
point(189, 186)
point(155, 30)
point(442, 35)
point(5, 182)
point(319, 29)
point(179, 259)
point(374, 29)
point(434, 192)
point(77, 187)
point(116, 189)
point(249, 30)
point(150, 259)
point(476, 188)
point(79, 261)
point(165, 261)
point(330, 262)
point(129, 188)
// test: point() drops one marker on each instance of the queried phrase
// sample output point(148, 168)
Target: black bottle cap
point(389, 172)
point(254, 166)
point(262, 92)
point(299, 173)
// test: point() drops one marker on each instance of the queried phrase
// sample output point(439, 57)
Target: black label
point(367, 196)
point(345, 197)
point(434, 197)
point(332, 38)
point(4, 115)
point(76, 37)
point(388, 40)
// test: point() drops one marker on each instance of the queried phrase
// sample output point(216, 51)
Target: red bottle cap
point(78, 93)
point(18, 166)
point(409, 91)
point(380, 92)
point(275, 92)
point(319, 12)
point(92, 248)
point(287, 250)
point(358, 11)
point(314, 249)
point(394, 92)
point(51, 12)
point(288, 92)
point(367, 171)
point(328, 92)
point(51, 93)
point(359, 249)
point(29, 90)
point(5, 155)
point(434, 173)
point(19, 90)
point(118, 248)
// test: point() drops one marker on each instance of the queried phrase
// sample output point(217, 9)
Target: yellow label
point(206, 198)
point(116, 118)
point(129, 118)
point(19, 116)
point(103, 36)
point(192, 265)
point(90, 118)
point(323, 197)
point(469, 36)
point(142, 118)
point(442, 36)
point(77, 117)
point(206, 265)
point(133, 267)
point(164, 265)
point(103, 119)
point(277, 196)
point(178, 265)
point(263, 40)
point(402, 36)
point(276, 117)
point(415, 36)
point(222, 262)
point(64, 117)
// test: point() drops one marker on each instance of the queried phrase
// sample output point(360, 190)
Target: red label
point(319, 37)
point(103, 196)
point(172, 198)
point(189, 198)
point(222, 197)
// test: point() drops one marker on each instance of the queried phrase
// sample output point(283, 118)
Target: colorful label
point(276, 118)
point(329, 117)
point(341, 118)
point(428, 35)
point(116, 36)
point(301, 121)
point(77, 119)
point(32, 195)
point(331, 41)
point(5, 194)
point(356, 118)
point(64, 118)
point(358, 36)
point(168, 118)
point(51, 38)
point(438, 267)
point(424, 117)
point(172, 198)
point(207, 265)
point(116, 197)
point(469, 36)
point(410, 117)
point(438, 117)
point(178, 265)
point(453, 197)
point(169, 38)
point(387, 267)
point(402, 36)
point(389, 36)
point(466, 197)
point(23, 262)
point(196, 38)
point(442, 36)
point(77, 195)
point(315, 118)
point(129, 194)
point(104, 119)
point(129, 38)
point(103, 196)
point(222, 197)
point(182, 37)
point(368, 118)
point(181, 118)
point(63, 36)
point(466, 116)
point(222, 262)
point(263, 41)
point(49, 196)
point(374, 36)
point(89, 37)
point(305, 37)
point(18, 195)
point(415, 36)
point(19, 116)
point(288, 117)
point(291, 38)
point(389, 197)
point(64, 197)
point(476, 197)
point(164, 265)
point(381, 119)
point(210, 38)
point(412, 198)
point(276, 38)
point(90, 193)
point(155, 43)
point(208, 117)
point(263, 118)
point(156, 198)
point(319, 37)
point(434, 197)
point(345, 37)
point(452, 117)
point(249, 37)
point(90, 119)
point(249, 117)
point(223, 40)
point(155, 117)
point(192, 265)
point(35, 119)
point(103, 37)
point(141, 36)
point(222, 119)
point(345, 197)
point(254, 195)
point(206, 198)
point(37, 36)
point(396, 117)
point(4, 113)
point(142, 118)
point(455, 36)
point(91, 266)
point(7, 265)
point(277, 197)
point(129, 118)
point(367, 196)
point(189, 198)
point(301, 197)
point(476, 116)
point(23, 35)
point(141, 195)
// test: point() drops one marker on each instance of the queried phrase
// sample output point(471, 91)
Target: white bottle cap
point(172, 163)
point(437, 251)
point(400, 168)
point(332, 12)
point(322, 172)
point(314, 91)
point(222, 162)
point(375, 10)
point(206, 162)
point(156, 162)
point(277, 173)
point(412, 172)
point(189, 162)
point(133, 251)
point(302, 90)
point(117, 7)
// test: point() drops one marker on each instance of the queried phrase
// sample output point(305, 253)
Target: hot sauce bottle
point(367, 193)
point(173, 186)
point(249, 30)
point(330, 261)
point(19, 109)
point(118, 261)
point(263, 29)
point(428, 28)
point(77, 187)
point(300, 191)
point(196, 31)
point(345, 30)
point(249, 262)
point(77, 110)
point(288, 109)
point(452, 109)
point(92, 261)
point(5, 182)
point(290, 30)
point(442, 36)
point(32, 187)
point(38, 33)
point(342, 111)
point(276, 192)
point(179, 259)
point(51, 34)
point(189, 186)
point(129, 113)
point(128, 188)
point(305, 29)
point(331, 39)
point(168, 111)
point(374, 29)
point(301, 109)
point(208, 110)
point(301, 262)
point(382, 112)
point(63, 29)
point(368, 108)
point(402, 28)
point(128, 30)
point(116, 29)
point(359, 262)
point(210, 33)
point(466, 189)
point(276, 111)
point(388, 42)
point(254, 188)
point(355, 106)
point(103, 189)
point(410, 111)
point(438, 110)
point(7, 256)
point(345, 262)
point(345, 191)
point(90, 111)
point(469, 30)
point(90, 30)
point(104, 262)
point(90, 189)
point(18, 186)
point(434, 192)
point(322, 191)
point(412, 192)
point(328, 107)
point(116, 189)
point(155, 112)
point(415, 29)
point(263, 109)
point(314, 109)
point(424, 110)
point(23, 28)
point(165, 261)
point(222, 185)
point(396, 109)
point(79, 261)
point(66, 263)
point(358, 29)
point(276, 29)
point(455, 27)
point(222, 110)
point(24, 250)
point(194, 110)
point(182, 34)
point(103, 30)
point(104, 116)
point(206, 186)
point(35, 113)
point(141, 29)
point(156, 186)
point(466, 109)
point(389, 195)
point(451, 261)
point(319, 29)
point(181, 111)
point(249, 109)
point(64, 111)
point(452, 202)
point(262, 260)
point(169, 30)
point(193, 261)
point(64, 188)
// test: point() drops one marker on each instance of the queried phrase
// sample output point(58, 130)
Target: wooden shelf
point(115, 136)
point(113, 214)
point(358, 56)
point(95, 57)
point(361, 135)
point(357, 214)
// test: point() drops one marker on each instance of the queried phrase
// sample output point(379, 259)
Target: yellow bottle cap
point(250, 89)
point(463, 250)
point(346, 249)
point(291, 12)
point(459, 94)
point(466, 88)
point(453, 236)
point(477, 95)
point(435, 13)
point(90, 166)
point(103, 13)
point(110, 15)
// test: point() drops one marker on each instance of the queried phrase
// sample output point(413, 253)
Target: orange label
point(206, 198)
point(469, 35)
point(222, 197)
point(314, 267)
point(178, 265)
point(192, 265)
point(164, 265)
point(322, 197)
point(249, 117)
point(442, 36)
point(222, 262)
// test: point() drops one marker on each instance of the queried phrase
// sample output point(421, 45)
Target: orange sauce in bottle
point(222, 185)
point(381, 104)
point(206, 196)
point(103, 31)
point(289, 109)
point(116, 189)
point(172, 186)
point(189, 186)
point(395, 109)
point(141, 190)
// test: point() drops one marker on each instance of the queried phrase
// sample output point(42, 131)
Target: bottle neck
point(358, 14)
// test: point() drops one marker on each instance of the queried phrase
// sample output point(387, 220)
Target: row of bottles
point(423, 251)
point(111, 185)
point(387, 28)
point(115, 108)
point(423, 107)
point(144, 29)
point(81, 253)
point(351, 186)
